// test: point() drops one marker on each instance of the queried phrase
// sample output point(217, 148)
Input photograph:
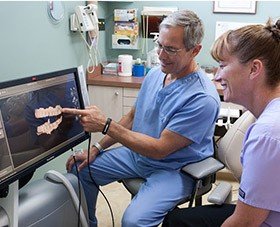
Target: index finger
point(73, 111)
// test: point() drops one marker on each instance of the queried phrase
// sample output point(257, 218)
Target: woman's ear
point(256, 68)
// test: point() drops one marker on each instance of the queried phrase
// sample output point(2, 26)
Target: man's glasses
point(168, 50)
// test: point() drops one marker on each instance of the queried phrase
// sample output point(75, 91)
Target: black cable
point(97, 186)
point(217, 140)
point(79, 188)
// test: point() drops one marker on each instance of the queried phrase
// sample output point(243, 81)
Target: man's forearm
point(157, 148)
point(126, 121)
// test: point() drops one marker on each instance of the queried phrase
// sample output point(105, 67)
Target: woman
point(249, 72)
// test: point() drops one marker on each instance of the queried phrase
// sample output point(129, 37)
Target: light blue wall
point(31, 44)
point(203, 9)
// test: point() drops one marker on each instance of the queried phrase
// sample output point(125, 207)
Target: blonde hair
point(253, 42)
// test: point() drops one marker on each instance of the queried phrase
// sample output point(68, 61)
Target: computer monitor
point(33, 130)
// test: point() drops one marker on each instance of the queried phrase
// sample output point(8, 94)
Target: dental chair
point(228, 153)
point(204, 172)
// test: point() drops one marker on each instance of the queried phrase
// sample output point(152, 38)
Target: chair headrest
point(229, 147)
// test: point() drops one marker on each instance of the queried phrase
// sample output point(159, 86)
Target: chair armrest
point(221, 194)
point(204, 168)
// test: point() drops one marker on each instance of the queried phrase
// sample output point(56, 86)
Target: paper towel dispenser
point(124, 42)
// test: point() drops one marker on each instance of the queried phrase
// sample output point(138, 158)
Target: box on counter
point(110, 69)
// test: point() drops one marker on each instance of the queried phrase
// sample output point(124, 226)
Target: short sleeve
point(195, 119)
point(260, 180)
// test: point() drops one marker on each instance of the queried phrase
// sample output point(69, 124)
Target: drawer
point(129, 101)
point(130, 92)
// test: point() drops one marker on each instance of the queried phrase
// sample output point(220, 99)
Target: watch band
point(98, 146)
point(107, 125)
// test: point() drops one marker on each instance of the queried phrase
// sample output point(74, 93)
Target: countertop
point(115, 81)
point(126, 81)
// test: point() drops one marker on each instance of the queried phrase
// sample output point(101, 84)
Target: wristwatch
point(98, 147)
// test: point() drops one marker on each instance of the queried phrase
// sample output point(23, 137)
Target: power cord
point(79, 189)
point(96, 185)
point(93, 58)
point(93, 181)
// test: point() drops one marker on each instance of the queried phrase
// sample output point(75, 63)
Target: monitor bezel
point(33, 166)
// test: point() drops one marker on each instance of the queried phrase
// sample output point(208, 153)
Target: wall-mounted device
point(126, 29)
point(124, 42)
point(85, 21)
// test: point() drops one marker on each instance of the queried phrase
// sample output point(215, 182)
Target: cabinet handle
point(116, 93)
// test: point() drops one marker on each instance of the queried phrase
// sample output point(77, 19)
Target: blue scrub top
point(188, 106)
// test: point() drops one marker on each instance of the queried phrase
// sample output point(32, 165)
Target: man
point(249, 60)
point(171, 124)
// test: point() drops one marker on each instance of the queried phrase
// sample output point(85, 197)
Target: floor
point(119, 198)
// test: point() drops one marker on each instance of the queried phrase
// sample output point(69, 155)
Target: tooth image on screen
point(48, 127)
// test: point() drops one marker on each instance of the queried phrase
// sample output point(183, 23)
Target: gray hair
point(193, 26)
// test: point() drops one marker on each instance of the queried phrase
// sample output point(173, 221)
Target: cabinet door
point(109, 100)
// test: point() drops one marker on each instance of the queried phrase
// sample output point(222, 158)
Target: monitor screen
point(33, 130)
